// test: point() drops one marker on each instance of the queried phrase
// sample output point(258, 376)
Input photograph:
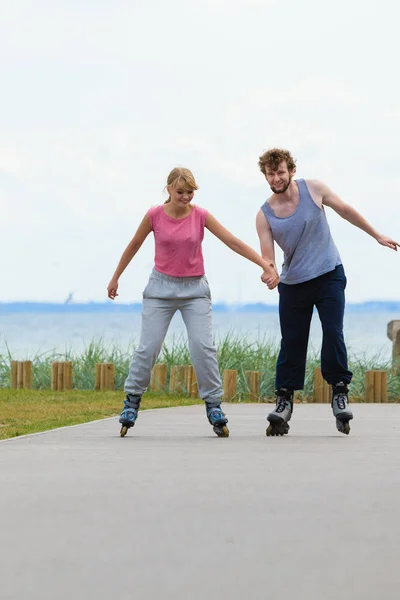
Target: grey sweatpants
point(162, 297)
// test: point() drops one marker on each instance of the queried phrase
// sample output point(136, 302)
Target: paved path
point(172, 512)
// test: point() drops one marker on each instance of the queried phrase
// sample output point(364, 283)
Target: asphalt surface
point(173, 512)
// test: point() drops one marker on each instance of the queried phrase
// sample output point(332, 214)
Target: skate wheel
point(124, 430)
point(343, 427)
point(221, 431)
point(275, 430)
point(225, 431)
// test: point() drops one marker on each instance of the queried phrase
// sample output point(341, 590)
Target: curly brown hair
point(273, 158)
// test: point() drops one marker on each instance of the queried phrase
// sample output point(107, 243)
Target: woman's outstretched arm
point(141, 234)
point(269, 276)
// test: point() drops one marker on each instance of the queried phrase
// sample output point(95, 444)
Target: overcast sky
point(100, 99)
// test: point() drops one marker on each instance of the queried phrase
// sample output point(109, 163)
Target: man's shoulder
point(268, 200)
point(263, 213)
point(315, 184)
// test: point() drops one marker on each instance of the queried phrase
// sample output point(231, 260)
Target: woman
point(178, 283)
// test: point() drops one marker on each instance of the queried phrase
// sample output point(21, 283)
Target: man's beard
point(283, 190)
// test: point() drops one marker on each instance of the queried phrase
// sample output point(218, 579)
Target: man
point(312, 275)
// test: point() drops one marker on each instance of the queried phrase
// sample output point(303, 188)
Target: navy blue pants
point(296, 303)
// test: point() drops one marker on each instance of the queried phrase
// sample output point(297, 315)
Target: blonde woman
point(178, 283)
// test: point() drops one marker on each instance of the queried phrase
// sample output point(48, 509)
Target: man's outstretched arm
point(349, 213)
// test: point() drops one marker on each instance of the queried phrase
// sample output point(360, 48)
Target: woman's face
point(179, 196)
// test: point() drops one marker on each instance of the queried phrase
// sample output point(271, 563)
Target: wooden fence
point(182, 380)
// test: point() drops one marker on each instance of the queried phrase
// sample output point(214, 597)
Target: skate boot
point(279, 417)
point(129, 413)
point(340, 407)
point(217, 419)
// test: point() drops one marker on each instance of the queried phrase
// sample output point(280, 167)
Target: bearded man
point(312, 275)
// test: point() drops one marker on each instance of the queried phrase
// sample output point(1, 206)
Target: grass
point(234, 352)
point(31, 411)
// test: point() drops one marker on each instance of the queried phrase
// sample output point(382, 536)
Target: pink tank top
point(178, 242)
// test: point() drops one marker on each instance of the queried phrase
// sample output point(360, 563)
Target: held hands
point(386, 241)
point(112, 289)
point(270, 276)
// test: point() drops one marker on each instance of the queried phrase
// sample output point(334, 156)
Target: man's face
point(280, 179)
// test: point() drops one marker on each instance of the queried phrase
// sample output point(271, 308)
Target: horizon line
point(110, 306)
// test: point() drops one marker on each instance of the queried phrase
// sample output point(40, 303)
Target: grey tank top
point(305, 238)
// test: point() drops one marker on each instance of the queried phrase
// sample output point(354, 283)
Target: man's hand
point(386, 241)
point(112, 288)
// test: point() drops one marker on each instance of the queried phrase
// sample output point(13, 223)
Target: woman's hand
point(112, 288)
point(270, 276)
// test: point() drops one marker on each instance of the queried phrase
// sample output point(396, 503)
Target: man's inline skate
point(340, 407)
point(217, 419)
point(129, 413)
point(280, 417)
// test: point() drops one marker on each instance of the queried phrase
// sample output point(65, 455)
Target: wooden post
point(158, 381)
point(378, 386)
point(318, 383)
point(393, 333)
point(60, 377)
point(105, 376)
point(177, 379)
point(396, 354)
point(375, 386)
point(253, 381)
point(21, 374)
point(68, 375)
point(327, 392)
point(188, 376)
point(27, 374)
point(109, 376)
point(369, 386)
point(54, 376)
point(102, 377)
point(14, 371)
point(97, 380)
point(322, 390)
point(230, 384)
point(384, 390)
point(194, 388)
